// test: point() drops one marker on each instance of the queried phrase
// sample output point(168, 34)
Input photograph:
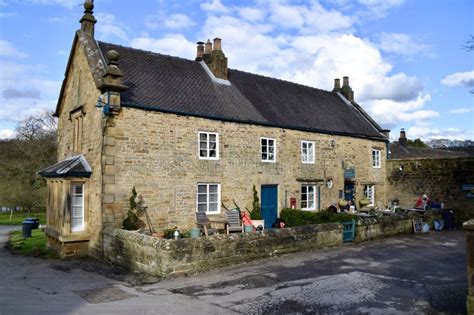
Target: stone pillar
point(469, 228)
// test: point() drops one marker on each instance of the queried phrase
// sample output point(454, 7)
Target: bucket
point(195, 232)
point(248, 228)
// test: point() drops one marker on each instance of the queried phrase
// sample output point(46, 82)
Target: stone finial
point(199, 51)
point(346, 90)
point(337, 85)
point(112, 83)
point(88, 20)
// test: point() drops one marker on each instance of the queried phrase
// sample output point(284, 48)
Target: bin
point(27, 227)
point(35, 221)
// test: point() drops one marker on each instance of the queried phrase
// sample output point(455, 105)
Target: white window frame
point(80, 227)
point(207, 157)
point(207, 197)
point(267, 146)
point(369, 193)
point(315, 195)
point(306, 158)
point(376, 158)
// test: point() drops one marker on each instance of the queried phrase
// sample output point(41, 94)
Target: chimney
point(215, 59)
point(402, 141)
point(112, 81)
point(337, 85)
point(200, 51)
point(88, 20)
point(346, 89)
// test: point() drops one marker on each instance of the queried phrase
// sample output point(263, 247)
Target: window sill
point(82, 236)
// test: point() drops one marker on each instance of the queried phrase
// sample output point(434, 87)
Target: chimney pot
point(346, 90)
point(208, 48)
point(403, 138)
point(200, 51)
point(337, 85)
point(345, 81)
point(217, 44)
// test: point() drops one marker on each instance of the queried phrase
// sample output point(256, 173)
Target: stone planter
point(364, 203)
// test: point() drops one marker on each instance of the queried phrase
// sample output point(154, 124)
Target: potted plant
point(364, 202)
point(255, 214)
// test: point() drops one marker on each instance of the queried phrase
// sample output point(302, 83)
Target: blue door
point(269, 199)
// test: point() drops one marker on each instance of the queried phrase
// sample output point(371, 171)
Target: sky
point(406, 59)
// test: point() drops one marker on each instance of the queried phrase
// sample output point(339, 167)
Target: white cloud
point(461, 110)
point(6, 133)
point(401, 44)
point(251, 14)
point(170, 21)
point(215, 6)
point(69, 4)
point(8, 50)
point(379, 8)
point(108, 27)
point(428, 132)
point(399, 87)
point(171, 44)
point(459, 79)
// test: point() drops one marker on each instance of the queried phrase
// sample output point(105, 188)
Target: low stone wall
point(369, 229)
point(469, 228)
point(165, 258)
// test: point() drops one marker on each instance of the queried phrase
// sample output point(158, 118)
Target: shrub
point(299, 217)
point(255, 214)
point(132, 221)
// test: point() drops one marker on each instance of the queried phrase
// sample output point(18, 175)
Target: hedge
point(299, 217)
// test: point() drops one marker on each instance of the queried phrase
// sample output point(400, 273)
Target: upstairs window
point(308, 197)
point(77, 207)
point(208, 145)
point(376, 158)
point(77, 140)
point(267, 149)
point(307, 152)
point(208, 198)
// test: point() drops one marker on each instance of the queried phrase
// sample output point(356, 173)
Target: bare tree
point(34, 147)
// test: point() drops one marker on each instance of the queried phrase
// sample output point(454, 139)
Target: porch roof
point(74, 166)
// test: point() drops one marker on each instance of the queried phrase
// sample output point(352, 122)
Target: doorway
point(269, 202)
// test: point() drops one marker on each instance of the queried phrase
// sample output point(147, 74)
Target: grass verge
point(19, 217)
point(35, 245)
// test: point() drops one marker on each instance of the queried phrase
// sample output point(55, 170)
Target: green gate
point(348, 231)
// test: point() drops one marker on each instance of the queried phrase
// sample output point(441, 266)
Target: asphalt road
point(410, 274)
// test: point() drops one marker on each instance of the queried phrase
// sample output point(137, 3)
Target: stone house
point(191, 135)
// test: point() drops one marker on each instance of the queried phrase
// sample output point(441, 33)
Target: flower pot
point(257, 223)
point(364, 202)
point(195, 232)
point(248, 228)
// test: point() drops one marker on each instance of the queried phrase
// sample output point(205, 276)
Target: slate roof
point(176, 85)
point(407, 152)
point(74, 166)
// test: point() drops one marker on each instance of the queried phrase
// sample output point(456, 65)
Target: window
point(369, 193)
point(77, 140)
point(307, 152)
point(209, 198)
point(268, 149)
point(308, 197)
point(208, 145)
point(77, 207)
point(376, 158)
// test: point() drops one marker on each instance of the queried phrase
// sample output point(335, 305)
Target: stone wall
point(370, 229)
point(469, 228)
point(440, 179)
point(164, 258)
point(158, 154)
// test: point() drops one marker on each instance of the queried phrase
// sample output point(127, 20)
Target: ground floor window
point(308, 197)
point(77, 207)
point(369, 193)
point(208, 198)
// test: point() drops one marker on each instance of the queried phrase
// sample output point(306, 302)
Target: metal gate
point(348, 231)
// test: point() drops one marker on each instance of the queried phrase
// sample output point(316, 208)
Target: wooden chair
point(202, 220)
point(234, 224)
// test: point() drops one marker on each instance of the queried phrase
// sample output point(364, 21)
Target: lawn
point(35, 245)
point(19, 217)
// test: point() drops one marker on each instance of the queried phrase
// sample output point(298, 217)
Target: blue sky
point(404, 58)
